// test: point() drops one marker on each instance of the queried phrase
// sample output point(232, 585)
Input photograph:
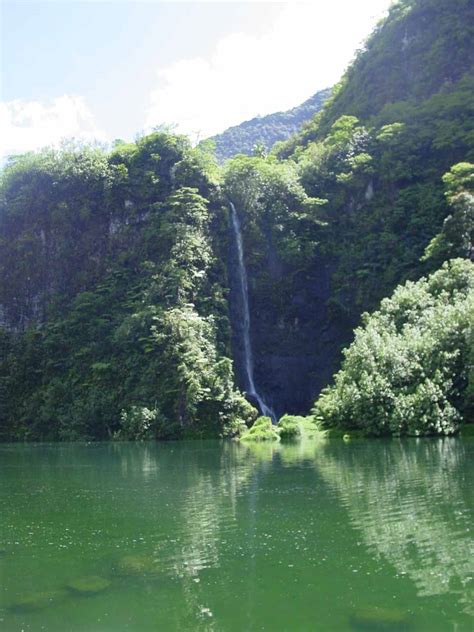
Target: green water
point(369, 535)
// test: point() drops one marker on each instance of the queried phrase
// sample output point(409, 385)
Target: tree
point(407, 371)
point(457, 236)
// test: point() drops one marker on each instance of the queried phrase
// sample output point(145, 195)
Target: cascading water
point(244, 293)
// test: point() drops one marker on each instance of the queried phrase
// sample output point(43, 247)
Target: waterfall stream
point(244, 294)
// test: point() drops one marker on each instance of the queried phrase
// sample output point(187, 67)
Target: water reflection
point(224, 536)
point(410, 501)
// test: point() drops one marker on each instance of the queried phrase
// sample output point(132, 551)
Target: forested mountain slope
point(113, 296)
point(265, 131)
point(423, 48)
point(347, 210)
point(119, 297)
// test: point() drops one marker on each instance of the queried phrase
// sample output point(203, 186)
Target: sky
point(102, 70)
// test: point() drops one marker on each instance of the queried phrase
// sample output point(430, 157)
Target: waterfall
point(244, 295)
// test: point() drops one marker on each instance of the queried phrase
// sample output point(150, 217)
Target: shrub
point(138, 424)
point(262, 430)
point(407, 371)
point(289, 427)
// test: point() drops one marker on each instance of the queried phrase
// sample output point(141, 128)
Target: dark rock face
point(296, 344)
point(56, 267)
point(52, 266)
point(297, 349)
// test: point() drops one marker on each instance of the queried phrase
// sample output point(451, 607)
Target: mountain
point(134, 305)
point(348, 207)
point(267, 130)
point(421, 52)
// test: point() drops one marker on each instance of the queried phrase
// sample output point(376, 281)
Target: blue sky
point(114, 68)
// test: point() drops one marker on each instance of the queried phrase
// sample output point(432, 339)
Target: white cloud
point(306, 49)
point(29, 125)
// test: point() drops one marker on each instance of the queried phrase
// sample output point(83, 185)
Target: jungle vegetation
point(117, 299)
point(258, 135)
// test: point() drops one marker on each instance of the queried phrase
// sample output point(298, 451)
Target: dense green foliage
point(423, 48)
point(456, 238)
point(368, 208)
point(262, 132)
point(119, 308)
point(401, 117)
point(408, 369)
point(384, 192)
point(114, 259)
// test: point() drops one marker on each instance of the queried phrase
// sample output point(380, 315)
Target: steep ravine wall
point(43, 269)
point(296, 343)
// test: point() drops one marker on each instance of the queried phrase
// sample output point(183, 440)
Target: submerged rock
point(380, 620)
point(135, 565)
point(88, 585)
point(30, 602)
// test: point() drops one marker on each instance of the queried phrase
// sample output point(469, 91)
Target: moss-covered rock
point(88, 585)
point(380, 620)
point(298, 427)
point(31, 602)
point(289, 428)
point(136, 565)
point(262, 430)
point(309, 428)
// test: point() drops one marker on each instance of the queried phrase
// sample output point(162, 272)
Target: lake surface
point(368, 535)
